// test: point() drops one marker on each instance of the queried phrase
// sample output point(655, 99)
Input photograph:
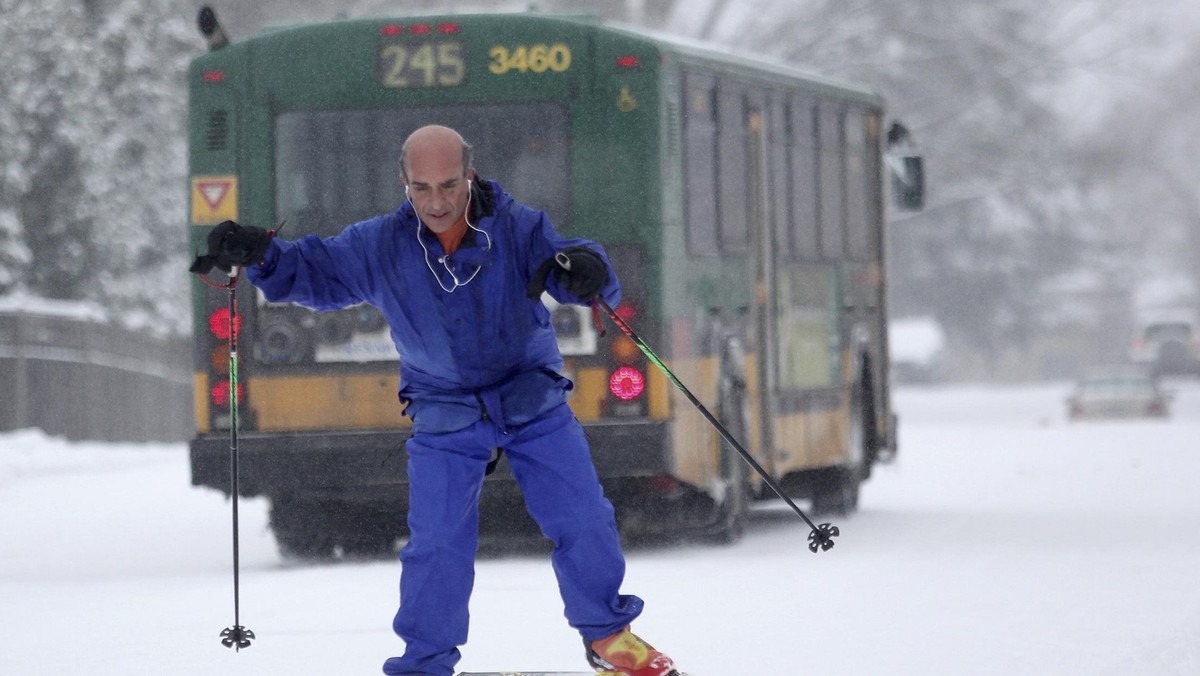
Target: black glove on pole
point(231, 244)
point(585, 274)
point(584, 277)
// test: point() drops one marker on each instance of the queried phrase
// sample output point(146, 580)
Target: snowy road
point(1004, 541)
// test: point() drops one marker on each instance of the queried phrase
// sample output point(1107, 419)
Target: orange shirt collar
point(453, 236)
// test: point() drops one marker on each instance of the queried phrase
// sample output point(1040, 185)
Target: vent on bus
point(217, 133)
point(673, 128)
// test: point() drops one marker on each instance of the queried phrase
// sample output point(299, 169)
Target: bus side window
point(779, 175)
point(858, 225)
point(805, 207)
point(832, 197)
point(732, 139)
point(700, 165)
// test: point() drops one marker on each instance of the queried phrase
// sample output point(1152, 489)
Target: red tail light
point(627, 311)
point(218, 323)
point(220, 394)
point(627, 383)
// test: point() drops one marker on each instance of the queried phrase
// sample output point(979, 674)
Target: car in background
point(917, 347)
point(1168, 348)
point(1118, 393)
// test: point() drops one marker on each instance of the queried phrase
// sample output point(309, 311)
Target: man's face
point(437, 186)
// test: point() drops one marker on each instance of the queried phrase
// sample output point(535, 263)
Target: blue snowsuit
point(479, 369)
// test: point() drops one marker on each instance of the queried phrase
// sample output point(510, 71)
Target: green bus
point(742, 204)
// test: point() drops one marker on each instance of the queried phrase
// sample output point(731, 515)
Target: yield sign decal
point(214, 199)
point(214, 191)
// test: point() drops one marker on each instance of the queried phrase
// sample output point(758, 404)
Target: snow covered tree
point(46, 96)
point(135, 162)
point(1146, 167)
point(92, 153)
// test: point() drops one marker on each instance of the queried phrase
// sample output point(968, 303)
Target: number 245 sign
point(538, 58)
point(438, 64)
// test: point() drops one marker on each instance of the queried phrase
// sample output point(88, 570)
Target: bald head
point(435, 167)
point(437, 141)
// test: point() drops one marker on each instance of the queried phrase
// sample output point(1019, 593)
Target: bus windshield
point(336, 167)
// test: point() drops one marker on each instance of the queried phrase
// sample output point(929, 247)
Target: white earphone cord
point(442, 260)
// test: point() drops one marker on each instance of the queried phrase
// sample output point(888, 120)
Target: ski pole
point(821, 537)
point(237, 636)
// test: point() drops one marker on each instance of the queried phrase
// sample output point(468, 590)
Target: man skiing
point(458, 271)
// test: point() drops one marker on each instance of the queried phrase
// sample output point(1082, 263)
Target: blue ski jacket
point(482, 347)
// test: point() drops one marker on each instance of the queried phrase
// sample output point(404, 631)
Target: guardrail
point(82, 377)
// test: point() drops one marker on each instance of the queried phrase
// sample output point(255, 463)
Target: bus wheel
point(870, 426)
point(730, 522)
point(314, 529)
point(835, 490)
point(300, 527)
point(369, 530)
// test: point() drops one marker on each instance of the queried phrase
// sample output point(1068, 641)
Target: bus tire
point(870, 423)
point(836, 492)
point(315, 529)
point(836, 489)
point(368, 530)
point(299, 524)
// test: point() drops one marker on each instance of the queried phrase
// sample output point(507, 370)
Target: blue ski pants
point(550, 459)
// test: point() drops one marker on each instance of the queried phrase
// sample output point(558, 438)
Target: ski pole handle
point(563, 260)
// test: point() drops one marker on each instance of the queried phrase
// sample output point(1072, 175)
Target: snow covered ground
point(1003, 541)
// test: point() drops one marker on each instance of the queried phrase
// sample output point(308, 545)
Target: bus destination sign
point(407, 65)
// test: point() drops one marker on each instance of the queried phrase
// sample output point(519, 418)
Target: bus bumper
point(280, 463)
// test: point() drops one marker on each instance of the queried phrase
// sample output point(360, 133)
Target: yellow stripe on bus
point(591, 387)
point(325, 402)
point(200, 401)
point(316, 402)
point(659, 391)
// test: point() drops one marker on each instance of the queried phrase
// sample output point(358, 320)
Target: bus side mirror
point(211, 29)
point(908, 182)
point(907, 169)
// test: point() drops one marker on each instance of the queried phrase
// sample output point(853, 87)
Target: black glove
point(231, 244)
point(587, 274)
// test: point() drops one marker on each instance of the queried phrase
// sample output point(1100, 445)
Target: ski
point(533, 673)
